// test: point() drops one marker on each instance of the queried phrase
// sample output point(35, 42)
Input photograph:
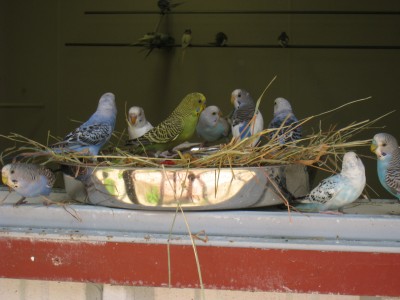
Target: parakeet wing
point(393, 180)
point(242, 115)
point(327, 189)
point(291, 121)
point(88, 135)
point(166, 131)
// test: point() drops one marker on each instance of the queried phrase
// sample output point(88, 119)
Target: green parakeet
point(186, 41)
point(174, 130)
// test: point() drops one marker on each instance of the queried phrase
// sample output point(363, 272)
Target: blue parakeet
point(285, 119)
point(95, 132)
point(244, 109)
point(387, 150)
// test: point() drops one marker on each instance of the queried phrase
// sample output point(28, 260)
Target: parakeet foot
point(167, 154)
point(332, 212)
point(20, 202)
point(47, 201)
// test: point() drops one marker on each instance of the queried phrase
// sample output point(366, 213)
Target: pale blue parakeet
point(387, 150)
point(212, 126)
point(338, 190)
point(28, 180)
point(285, 119)
point(244, 109)
point(95, 132)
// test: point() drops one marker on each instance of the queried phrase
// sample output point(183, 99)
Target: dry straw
point(306, 151)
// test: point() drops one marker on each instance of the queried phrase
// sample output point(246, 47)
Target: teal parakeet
point(387, 150)
point(177, 128)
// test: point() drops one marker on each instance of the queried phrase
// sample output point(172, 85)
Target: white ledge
point(240, 228)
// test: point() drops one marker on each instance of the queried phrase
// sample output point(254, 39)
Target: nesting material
point(232, 175)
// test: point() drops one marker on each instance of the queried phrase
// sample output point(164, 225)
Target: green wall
point(64, 82)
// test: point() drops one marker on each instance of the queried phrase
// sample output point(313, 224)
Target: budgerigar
point(28, 180)
point(95, 132)
point(212, 126)
point(186, 40)
point(220, 39)
point(338, 190)
point(243, 113)
point(290, 131)
point(283, 39)
point(387, 150)
point(152, 40)
point(165, 6)
point(137, 123)
point(174, 130)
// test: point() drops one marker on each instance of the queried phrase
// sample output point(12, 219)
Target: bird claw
point(20, 202)
point(167, 154)
point(332, 212)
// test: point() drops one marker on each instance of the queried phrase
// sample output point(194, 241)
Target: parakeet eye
point(12, 171)
point(239, 95)
point(199, 100)
point(384, 144)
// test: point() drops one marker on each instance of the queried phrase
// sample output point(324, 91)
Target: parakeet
point(166, 5)
point(290, 131)
point(186, 40)
point(137, 123)
point(283, 39)
point(152, 40)
point(177, 128)
point(95, 132)
point(28, 180)
point(338, 190)
point(387, 150)
point(220, 39)
point(244, 108)
point(212, 126)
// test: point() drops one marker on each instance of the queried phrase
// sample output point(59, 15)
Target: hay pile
point(322, 144)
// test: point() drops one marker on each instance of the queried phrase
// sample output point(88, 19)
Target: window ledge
point(245, 250)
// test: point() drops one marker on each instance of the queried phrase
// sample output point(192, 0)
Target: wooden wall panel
point(36, 59)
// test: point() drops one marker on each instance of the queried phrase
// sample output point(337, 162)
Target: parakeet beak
point(133, 119)
point(203, 107)
point(233, 100)
point(373, 147)
point(4, 179)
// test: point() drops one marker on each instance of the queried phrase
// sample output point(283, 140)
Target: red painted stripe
point(351, 273)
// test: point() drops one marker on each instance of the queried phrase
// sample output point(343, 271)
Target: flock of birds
point(192, 115)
